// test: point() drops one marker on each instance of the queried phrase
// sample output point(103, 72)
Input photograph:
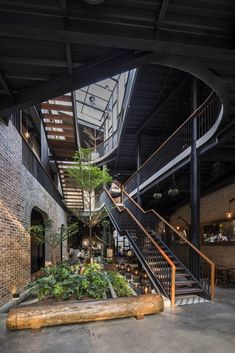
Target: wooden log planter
point(36, 317)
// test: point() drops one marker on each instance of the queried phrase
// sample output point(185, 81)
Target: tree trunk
point(90, 229)
point(35, 317)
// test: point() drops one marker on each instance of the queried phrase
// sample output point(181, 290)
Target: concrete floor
point(198, 328)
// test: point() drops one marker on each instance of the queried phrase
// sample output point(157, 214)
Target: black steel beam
point(162, 104)
point(162, 13)
point(195, 176)
point(64, 6)
point(138, 164)
point(50, 33)
point(92, 72)
point(5, 85)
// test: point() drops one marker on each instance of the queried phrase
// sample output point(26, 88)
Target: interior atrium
point(117, 176)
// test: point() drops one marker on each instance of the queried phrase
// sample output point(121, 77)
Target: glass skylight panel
point(81, 95)
point(108, 83)
point(100, 92)
point(95, 103)
point(92, 112)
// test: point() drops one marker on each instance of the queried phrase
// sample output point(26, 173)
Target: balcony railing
point(34, 166)
point(106, 147)
point(178, 145)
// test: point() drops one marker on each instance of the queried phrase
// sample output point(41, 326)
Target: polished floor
point(197, 328)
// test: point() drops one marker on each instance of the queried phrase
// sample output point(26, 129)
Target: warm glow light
point(27, 135)
point(145, 290)
point(177, 227)
point(229, 215)
point(85, 242)
point(13, 290)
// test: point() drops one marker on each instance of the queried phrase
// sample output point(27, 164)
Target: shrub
point(63, 282)
point(58, 282)
point(120, 284)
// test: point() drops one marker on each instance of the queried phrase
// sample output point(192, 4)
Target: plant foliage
point(65, 281)
point(120, 284)
point(52, 236)
point(89, 178)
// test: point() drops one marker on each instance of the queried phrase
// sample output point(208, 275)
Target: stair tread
point(184, 283)
point(182, 274)
point(188, 290)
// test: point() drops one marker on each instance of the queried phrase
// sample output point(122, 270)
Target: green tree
point(52, 236)
point(89, 178)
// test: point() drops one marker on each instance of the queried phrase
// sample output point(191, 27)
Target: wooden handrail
point(169, 225)
point(143, 229)
point(170, 262)
point(170, 137)
point(183, 238)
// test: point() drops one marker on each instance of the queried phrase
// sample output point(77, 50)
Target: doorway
point(37, 250)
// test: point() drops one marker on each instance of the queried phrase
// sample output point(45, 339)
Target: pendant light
point(173, 191)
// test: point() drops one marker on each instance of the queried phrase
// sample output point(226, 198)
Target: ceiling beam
point(64, 6)
point(94, 71)
point(162, 104)
point(115, 41)
point(34, 61)
point(5, 85)
point(162, 14)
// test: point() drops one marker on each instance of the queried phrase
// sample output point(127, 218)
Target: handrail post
point(173, 285)
point(212, 282)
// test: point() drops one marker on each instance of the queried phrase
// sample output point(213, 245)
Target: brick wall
point(20, 192)
point(213, 207)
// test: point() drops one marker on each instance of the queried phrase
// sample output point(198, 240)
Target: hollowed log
point(35, 317)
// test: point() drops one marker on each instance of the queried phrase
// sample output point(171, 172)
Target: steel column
point(195, 173)
point(138, 164)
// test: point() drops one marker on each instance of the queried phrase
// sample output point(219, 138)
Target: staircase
point(175, 152)
point(174, 265)
point(60, 124)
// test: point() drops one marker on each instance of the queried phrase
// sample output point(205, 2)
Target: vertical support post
point(195, 187)
point(195, 176)
point(138, 164)
point(104, 252)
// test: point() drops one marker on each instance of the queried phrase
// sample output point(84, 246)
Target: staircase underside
point(60, 125)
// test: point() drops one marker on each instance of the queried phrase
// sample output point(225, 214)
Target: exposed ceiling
point(52, 47)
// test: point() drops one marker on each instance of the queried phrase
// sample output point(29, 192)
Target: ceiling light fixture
point(26, 133)
point(229, 214)
point(92, 100)
point(173, 191)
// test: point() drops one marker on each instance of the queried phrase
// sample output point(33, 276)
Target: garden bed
point(67, 294)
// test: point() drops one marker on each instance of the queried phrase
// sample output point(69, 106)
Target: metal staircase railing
point(199, 265)
point(158, 265)
point(178, 145)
